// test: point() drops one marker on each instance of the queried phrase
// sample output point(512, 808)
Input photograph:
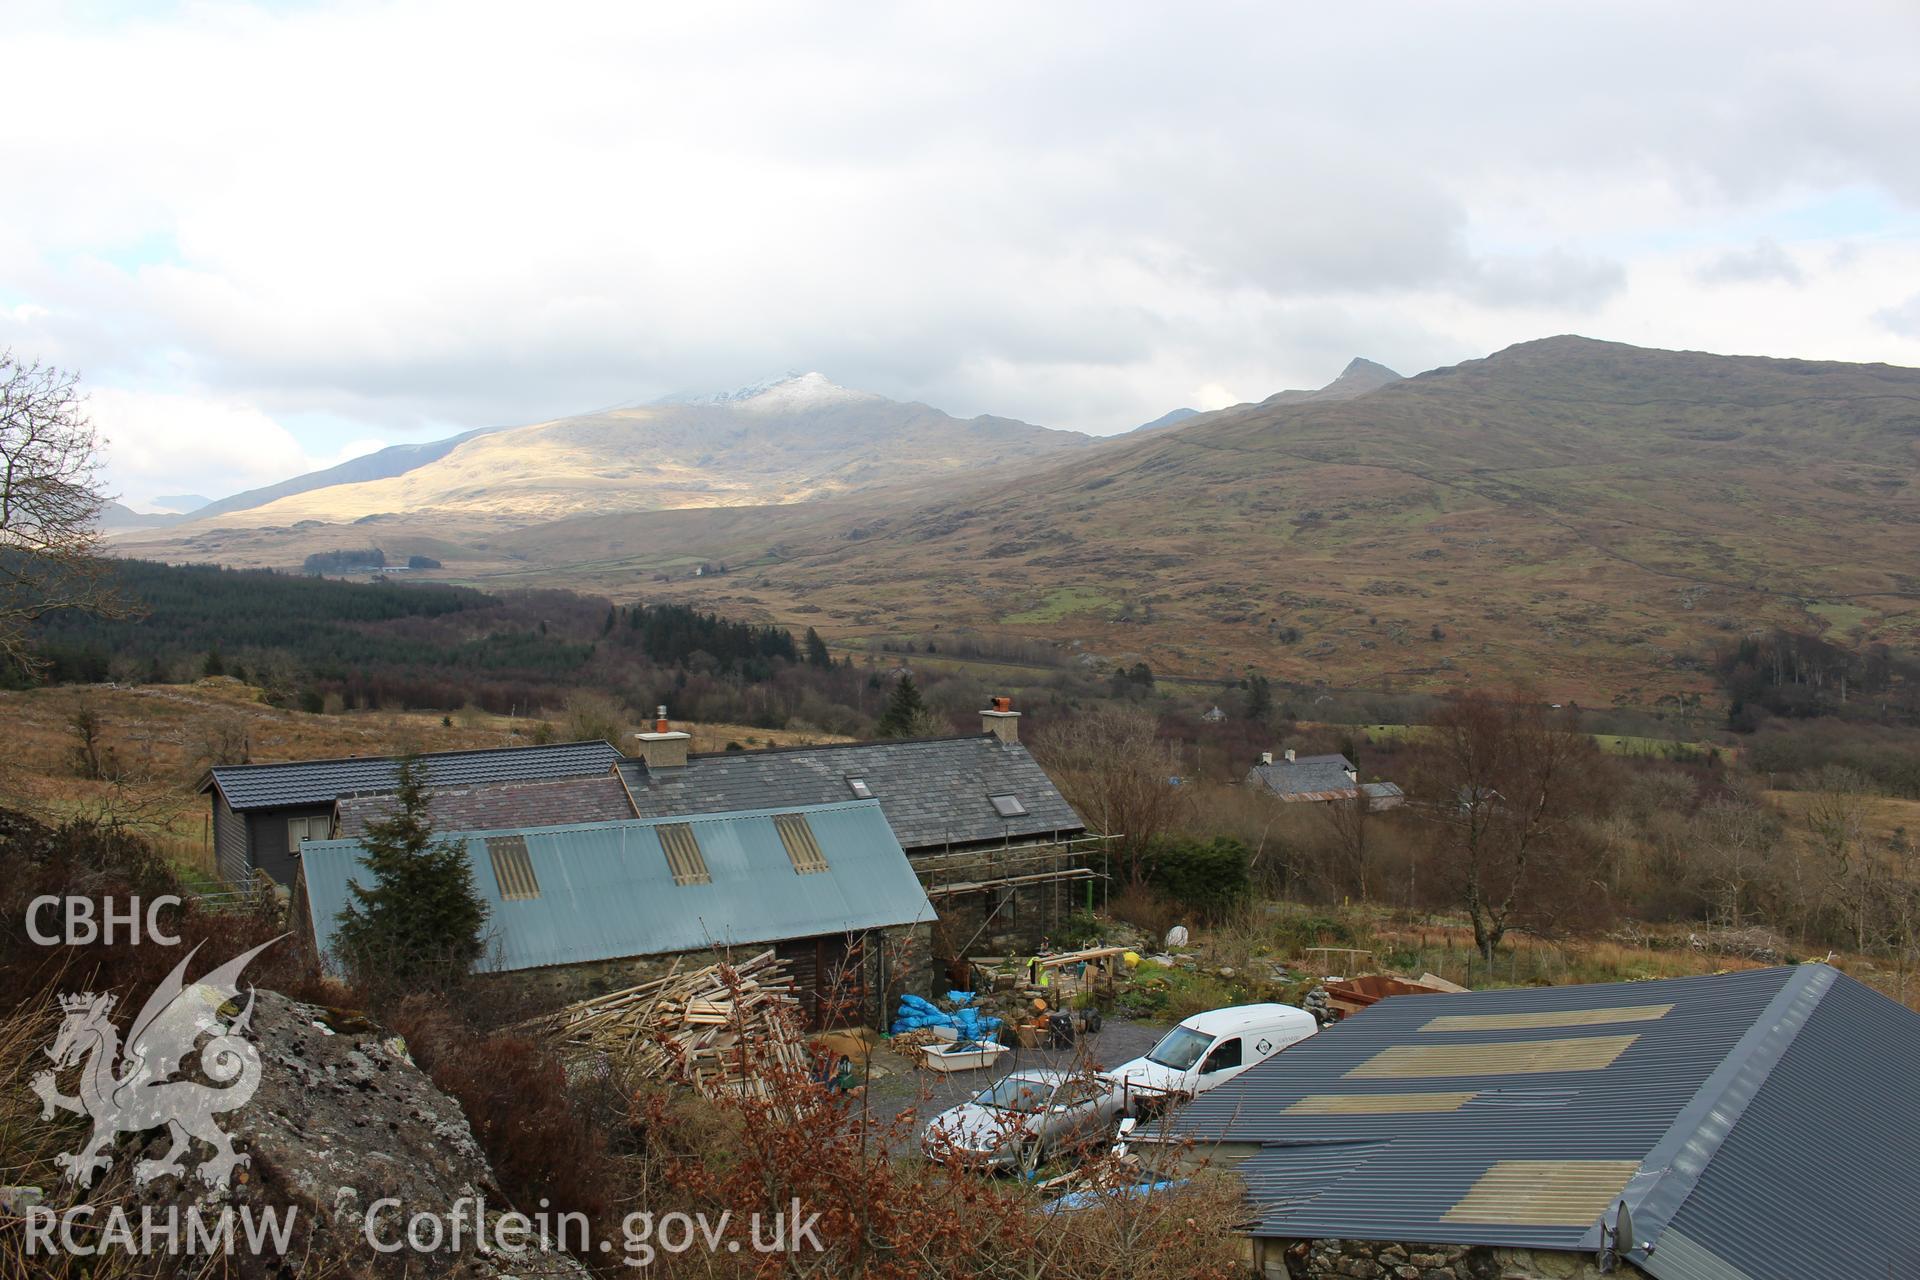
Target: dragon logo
point(134, 1091)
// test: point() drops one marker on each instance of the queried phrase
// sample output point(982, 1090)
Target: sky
point(272, 237)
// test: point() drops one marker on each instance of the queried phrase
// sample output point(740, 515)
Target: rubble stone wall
point(1006, 921)
point(1374, 1260)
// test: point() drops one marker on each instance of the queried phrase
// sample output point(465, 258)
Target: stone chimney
point(665, 747)
point(1353, 774)
point(1266, 757)
point(1289, 752)
point(1001, 720)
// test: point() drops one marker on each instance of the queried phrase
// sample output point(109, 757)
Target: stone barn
point(583, 909)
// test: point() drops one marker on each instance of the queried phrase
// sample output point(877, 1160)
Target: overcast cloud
point(271, 237)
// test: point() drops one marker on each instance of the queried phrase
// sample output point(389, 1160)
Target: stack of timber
point(721, 1029)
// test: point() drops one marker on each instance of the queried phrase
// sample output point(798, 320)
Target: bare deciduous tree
point(1351, 821)
point(1737, 841)
point(1114, 769)
point(1505, 783)
point(50, 504)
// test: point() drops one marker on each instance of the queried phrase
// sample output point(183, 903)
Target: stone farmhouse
point(1320, 780)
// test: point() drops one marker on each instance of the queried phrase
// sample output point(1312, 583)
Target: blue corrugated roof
point(310, 782)
point(606, 891)
point(1772, 1118)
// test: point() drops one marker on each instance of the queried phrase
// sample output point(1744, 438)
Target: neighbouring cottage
point(1320, 780)
point(1762, 1125)
point(997, 847)
point(263, 812)
point(581, 909)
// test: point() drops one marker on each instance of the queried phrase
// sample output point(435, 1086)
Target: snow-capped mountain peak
point(788, 393)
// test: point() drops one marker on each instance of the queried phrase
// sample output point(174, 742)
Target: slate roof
point(1305, 777)
point(546, 803)
point(308, 782)
point(1757, 1125)
point(935, 791)
point(605, 891)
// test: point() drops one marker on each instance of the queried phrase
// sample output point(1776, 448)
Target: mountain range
point(789, 439)
point(1590, 514)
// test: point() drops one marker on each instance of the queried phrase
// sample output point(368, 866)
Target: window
point(512, 869)
point(1225, 1056)
point(1079, 1092)
point(860, 789)
point(1180, 1048)
point(299, 829)
point(1007, 806)
point(1021, 1094)
point(802, 849)
point(684, 858)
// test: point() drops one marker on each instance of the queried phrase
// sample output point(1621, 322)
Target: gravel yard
point(900, 1091)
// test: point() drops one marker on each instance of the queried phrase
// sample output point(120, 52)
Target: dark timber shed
point(262, 812)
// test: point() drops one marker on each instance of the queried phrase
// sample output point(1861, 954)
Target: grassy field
point(1616, 743)
point(160, 738)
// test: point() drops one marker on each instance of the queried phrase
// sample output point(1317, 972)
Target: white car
point(1209, 1049)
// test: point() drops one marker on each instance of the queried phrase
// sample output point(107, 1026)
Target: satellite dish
point(1615, 1241)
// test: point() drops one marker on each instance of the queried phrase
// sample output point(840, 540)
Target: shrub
point(539, 1136)
point(1295, 934)
point(1208, 879)
point(1145, 909)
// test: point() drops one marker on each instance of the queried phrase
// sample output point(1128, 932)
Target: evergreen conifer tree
point(419, 920)
point(817, 655)
point(907, 716)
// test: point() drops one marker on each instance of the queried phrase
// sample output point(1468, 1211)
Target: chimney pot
point(1001, 720)
point(664, 748)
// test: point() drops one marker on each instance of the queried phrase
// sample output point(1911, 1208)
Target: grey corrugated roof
point(606, 892)
point(307, 782)
point(934, 790)
point(1304, 774)
point(547, 802)
point(1820, 1176)
point(1773, 1117)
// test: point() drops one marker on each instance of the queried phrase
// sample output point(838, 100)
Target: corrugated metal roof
point(1819, 1175)
point(935, 791)
point(309, 782)
point(607, 892)
point(1772, 1119)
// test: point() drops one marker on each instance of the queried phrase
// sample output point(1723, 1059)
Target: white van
point(1209, 1049)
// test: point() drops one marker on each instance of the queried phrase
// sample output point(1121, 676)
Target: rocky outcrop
point(341, 1121)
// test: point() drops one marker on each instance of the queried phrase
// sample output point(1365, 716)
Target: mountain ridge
point(1588, 514)
point(788, 439)
point(1584, 513)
